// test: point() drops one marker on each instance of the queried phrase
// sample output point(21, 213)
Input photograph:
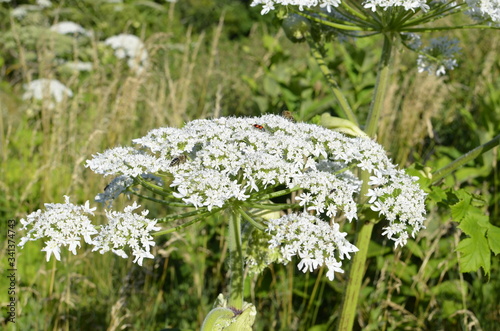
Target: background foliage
point(220, 58)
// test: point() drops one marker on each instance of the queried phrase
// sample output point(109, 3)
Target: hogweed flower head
point(68, 27)
point(243, 163)
point(439, 56)
point(46, 88)
point(130, 47)
point(127, 229)
point(61, 224)
point(314, 241)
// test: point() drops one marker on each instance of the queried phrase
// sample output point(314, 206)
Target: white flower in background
point(213, 164)
point(61, 224)
point(412, 40)
point(44, 3)
point(439, 56)
point(129, 47)
point(78, 66)
point(69, 28)
point(21, 11)
point(124, 230)
point(46, 88)
point(484, 9)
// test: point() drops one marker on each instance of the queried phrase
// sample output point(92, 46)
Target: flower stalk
point(469, 156)
point(236, 261)
point(317, 53)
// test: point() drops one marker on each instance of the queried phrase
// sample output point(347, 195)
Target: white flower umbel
point(268, 5)
point(61, 224)
point(405, 4)
point(46, 88)
point(313, 240)
point(227, 162)
point(484, 9)
point(68, 27)
point(124, 230)
point(129, 47)
point(78, 66)
point(44, 3)
point(439, 56)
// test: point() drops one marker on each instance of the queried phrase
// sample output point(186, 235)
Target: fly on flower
point(178, 160)
point(288, 115)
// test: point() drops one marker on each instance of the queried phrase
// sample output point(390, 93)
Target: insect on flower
point(260, 127)
point(178, 160)
point(288, 115)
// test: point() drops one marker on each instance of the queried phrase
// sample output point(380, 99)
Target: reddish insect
point(260, 127)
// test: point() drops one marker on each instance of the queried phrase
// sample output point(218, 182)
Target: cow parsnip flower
point(439, 56)
point(127, 230)
point(238, 162)
point(65, 224)
point(61, 224)
point(46, 88)
point(241, 164)
point(131, 48)
point(68, 27)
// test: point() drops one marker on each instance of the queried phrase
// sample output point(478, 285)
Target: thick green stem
point(345, 109)
point(365, 228)
point(380, 87)
point(445, 171)
point(355, 278)
point(235, 261)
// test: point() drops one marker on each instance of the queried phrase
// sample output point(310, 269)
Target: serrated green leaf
point(475, 253)
point(437, 194)
point(459, 210)
point(493, 236)
point(474, 224)
point(463, 194)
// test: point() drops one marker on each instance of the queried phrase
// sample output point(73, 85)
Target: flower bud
point(296, 27)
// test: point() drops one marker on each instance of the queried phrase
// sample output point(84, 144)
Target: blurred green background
point(214, 58)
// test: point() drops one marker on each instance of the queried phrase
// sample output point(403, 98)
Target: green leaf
point(437, 194)
point(474, 223)
point(494, 238)
point(475, 253)
point(452, 289)
point(459, 210)
point(416, 250)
